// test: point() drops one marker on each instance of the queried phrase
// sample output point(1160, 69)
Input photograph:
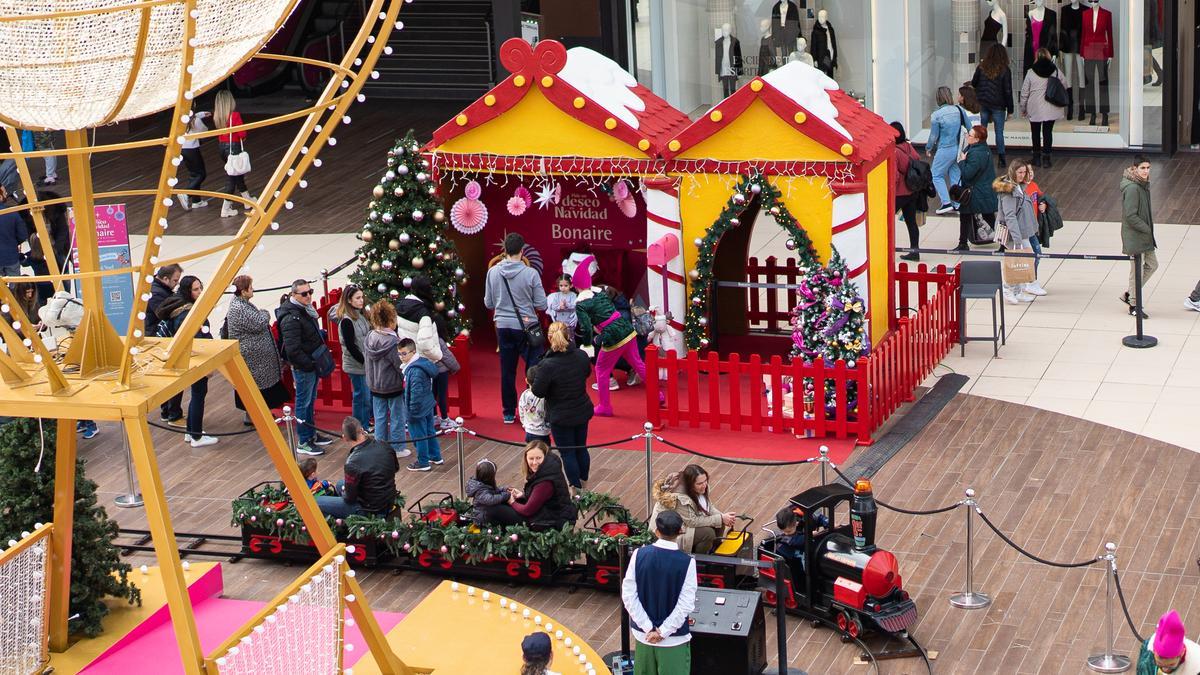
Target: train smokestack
point(862, 516)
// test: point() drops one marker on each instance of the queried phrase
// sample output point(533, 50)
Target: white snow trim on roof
point(602, 80)
point(806, 86)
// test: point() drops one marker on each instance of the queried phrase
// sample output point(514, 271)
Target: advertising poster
point(112, 237)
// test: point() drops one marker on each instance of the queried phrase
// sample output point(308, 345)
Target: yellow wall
point(535, 126)
point(760, 134)
point(880, 215)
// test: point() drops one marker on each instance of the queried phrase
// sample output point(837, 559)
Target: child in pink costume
point(614, 333)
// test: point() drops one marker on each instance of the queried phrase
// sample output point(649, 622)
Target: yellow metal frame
point(109, 377)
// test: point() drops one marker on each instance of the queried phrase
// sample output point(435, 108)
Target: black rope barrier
point(1125, 607)
point(326, 275)
point(730, 460)
point(897, 509)
point(1016, 254)
point(204, 433)
point(554, 447)
point(338, 434)
point(1029, 555)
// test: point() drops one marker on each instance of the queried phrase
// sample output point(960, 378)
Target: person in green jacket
point(978, 172)
point(614, 334)
point(1137, 227)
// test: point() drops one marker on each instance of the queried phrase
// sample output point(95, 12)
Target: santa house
point(573, 153)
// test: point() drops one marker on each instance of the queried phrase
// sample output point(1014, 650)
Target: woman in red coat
point(225, 115)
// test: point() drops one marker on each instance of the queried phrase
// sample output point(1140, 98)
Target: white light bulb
point(288, 205)
point(317, 162)
point(345, 119)
point(186, 565)
point(137, 332)
point(388, 50)
point(361, 98)
point(303, 184)
point(176, 161)
point(374, 74)
point(332, 140)
point(144, 569)
point(317, 128)
point(274, 226)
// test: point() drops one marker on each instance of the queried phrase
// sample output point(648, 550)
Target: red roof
point(658, 123)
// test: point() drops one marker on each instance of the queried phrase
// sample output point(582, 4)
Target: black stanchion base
point(1143, 342)
point(786, 671)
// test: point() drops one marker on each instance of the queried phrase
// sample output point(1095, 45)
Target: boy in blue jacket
point(790, 543)
point(419, 401)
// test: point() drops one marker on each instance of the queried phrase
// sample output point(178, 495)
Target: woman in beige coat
point(686, 493)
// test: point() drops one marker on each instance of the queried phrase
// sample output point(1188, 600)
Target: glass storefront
point(894, 54)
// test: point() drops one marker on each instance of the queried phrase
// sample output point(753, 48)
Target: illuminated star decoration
point(545, 196)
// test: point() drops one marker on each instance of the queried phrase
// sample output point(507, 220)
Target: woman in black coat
point(561, 379)
point(993, 87)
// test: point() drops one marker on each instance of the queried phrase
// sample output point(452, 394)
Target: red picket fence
point(334, 394)
point(771, 309)
point(731, 393)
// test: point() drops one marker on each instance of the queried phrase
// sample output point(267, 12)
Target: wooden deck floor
point(1058, 485)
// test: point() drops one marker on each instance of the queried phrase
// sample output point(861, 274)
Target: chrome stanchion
point(824, 460)
point(132, 498)
point(459, 431)
point(648, 435)
point(970, 599)
point(1109, 662)
point(289, 427)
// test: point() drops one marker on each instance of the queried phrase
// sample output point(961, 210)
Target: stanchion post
point(648, 435)
point(969, 598)
point(1109, 661)
point(622, 562)
point(132, 498)
point(1139, 340)
point(824, 460)
point(459, 430)
point(289, 425)
point(781, 630)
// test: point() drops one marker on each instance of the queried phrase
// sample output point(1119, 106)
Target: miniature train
point(843, 579)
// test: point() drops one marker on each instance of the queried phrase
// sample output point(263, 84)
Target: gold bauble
point(693, 275)
point(394, 244)
point(375, 267)
point(439, 216)
point(439, 306)
point(418, 262)
point(366, 235)
point(378, 192)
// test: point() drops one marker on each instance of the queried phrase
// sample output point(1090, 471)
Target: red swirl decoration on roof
point(548, 57)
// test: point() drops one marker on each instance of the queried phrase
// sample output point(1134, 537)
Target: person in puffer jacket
point(1019, 213)
point(492, 504)
point(415, 322)
point(419, 404)
point(385, 377)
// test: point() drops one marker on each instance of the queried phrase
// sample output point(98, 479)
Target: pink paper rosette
point(516, 206)
point(468, 216)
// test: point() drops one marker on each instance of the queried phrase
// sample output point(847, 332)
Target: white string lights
point(23, 596)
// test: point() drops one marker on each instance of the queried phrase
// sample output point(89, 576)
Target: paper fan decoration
point(473, 190)
point(468, 216)
point(621, 191)
point(533, 256)
point(516, 206)
point(525, 195)
point(627, 206)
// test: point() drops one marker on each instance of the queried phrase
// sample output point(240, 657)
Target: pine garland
point(700, 291)
point(405, 235)
point(27, 497)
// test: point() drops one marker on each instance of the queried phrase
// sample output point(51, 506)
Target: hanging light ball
point(377, 192)
point(774, 210)
point(387, 264)
point(697, 301)
point(399, 191)
point(418, 262)
point(703, 342)
point(418, 215)
point(391, 153)
point(704, 321)
point(375, 267)
point(394, 245)
point(393, 294)
point(698, 242)
point(432, 190)
point(460, 272)
point(425, 163)
point(439, 216)
point(850, 363)
point(391, 160)
point(382, 288)
point(362, 257)
point(790, 244)
point(387, 218)
point(402, 169)
point(405, 237)
point(407, 282)
point(366, 235)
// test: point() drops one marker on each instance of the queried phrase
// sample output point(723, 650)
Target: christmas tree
point(405, 235)
point(27, 497)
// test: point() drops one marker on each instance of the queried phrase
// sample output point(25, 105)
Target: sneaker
point(1035, 288)
point(246, 421)
point(178, 423)
point(400, 454)
point(417, 466)
point(633, 379)
point(321, 439)
point(306, 449)
point(203, 441)
point(1124, 297)
point(911, 257)
point(1133, 312)
point(227, 209)
point(448, 423)
point(612, 384)
point(437, 462)
point(1011, 298)
point(49, 180)
point(960, 249)
point(1025, 297)
point(90, 433)
point(1191, 304)
point(185, 202)
point(944, 209)
point(199, 203)
point(509, 419)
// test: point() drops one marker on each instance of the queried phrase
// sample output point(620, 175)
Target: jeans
point(1037, 251)
point(1043, 137)
point(908, 206)
point(390, 418)
point(195, 418)
point(233, 184)
point(945, 163)
point(337, 507)
point(428, 450)
point(13, 270)
point(360, 399)
point(571, 441)
point(194, 162)
point(995, 116)
point(306, 395)
point(513, 346)
point(441, 393)
point(172, 409)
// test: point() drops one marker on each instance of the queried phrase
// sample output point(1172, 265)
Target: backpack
point(277, 335)
point(919, 177)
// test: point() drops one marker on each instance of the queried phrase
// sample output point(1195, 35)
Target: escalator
point(317, 30)
point(443, 53)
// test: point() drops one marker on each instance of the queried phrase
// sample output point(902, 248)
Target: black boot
point(1046, 161)
point(1103, 119)
point(1093, 120)
point(1001, 161)
point(1070, 102)
point(1037, 159)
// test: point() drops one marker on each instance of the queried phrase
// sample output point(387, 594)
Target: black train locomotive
point(841, 577)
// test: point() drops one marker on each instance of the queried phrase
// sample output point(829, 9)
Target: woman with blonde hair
point(561, 380)
point(225, 115)
point(686, 493)
point(1019, 214)
point(545, 503)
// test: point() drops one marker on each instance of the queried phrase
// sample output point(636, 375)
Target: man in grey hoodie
point(514, 292)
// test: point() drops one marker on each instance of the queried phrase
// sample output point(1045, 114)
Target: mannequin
point(824, 44)
point(995, 28)
point(1041, 30)
point(1096, 47)
point(1072, 60)
point(767, 60)
point(729, 59)
point(785, 24)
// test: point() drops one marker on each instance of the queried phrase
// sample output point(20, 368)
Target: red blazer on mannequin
point(1096, 44)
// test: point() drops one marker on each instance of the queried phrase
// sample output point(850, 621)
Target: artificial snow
point(602, 80)
point(807, 86)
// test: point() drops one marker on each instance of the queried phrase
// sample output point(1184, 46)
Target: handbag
point(533, 329)
point(238, 163)
point(323, 361)
point(1056, 93)
point(960, 193)
point(984, 234)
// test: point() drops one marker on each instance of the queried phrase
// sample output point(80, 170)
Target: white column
point(850, 238)
point(663, 220)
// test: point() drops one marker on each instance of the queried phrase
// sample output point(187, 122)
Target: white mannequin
point(801, 53)
point(1038, 12)
point(1001, 18)
point(823, 19)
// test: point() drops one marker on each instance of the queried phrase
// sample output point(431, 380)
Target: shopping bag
point(1019, 270)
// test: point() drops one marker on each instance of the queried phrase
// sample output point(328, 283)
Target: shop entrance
point(1188, 81)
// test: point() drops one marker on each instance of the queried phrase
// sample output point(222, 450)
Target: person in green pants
point(659, 591)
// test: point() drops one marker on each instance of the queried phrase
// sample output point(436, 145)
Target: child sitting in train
point(790, 542)
point(318, 487)
point(490, 502)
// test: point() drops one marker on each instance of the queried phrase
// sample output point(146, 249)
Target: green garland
point(700, 290)
point(412, 536)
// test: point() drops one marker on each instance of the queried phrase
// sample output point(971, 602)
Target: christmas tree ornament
point(693, 275)
point(425, 163)
point(398, 192)
point(418, 262)
point(394, 245)
point(418, 215)
point(382, 288)
point(387, 264)
point(422, 176)
point(734, 222)
point(790, 244)
point(452, 314)
point(468, 216)
point(389, 176)
point(366, 235)
point(375, 267)
point(439, 306)
point(405, 237)
point(378, 191)
point(739, 198)
point(756, 188)
point(433, 246)
point(698, 242)
point(473, 190)
point(432, 190)
point(516, 206)
point(373, 215)
point(387, 218)
point(774, 210)
point(545, 195)
point(460, 272)
point(393, 294)
point(439, 216)
point(407, 282)
point(402, 169)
